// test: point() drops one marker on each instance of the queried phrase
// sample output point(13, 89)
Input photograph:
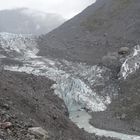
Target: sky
point(66, 8)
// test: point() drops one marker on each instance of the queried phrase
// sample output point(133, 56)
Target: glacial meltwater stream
point(75, 82)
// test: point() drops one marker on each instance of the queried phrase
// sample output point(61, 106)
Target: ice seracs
point(22, 46)
point(132, 63)
point(69, 87)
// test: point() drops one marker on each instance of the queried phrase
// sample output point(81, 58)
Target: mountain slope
point(28, 21)
point(28, 101)
point(103, 27)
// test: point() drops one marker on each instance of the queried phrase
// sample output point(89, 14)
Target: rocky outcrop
point(124, 51)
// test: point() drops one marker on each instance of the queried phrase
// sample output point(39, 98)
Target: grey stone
point(39, 132)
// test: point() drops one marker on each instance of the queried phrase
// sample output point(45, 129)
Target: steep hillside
point(28, 21)
point(103, 27)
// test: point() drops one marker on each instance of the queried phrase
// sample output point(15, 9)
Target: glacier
point(73, 80)
point(76, 83)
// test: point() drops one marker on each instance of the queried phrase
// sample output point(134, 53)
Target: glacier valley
point(76, 83)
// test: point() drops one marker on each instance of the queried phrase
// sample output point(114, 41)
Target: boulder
point(5, 125)
point(39, 132)
point(124, 50)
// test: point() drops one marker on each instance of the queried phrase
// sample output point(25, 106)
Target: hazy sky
point(66, 8)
